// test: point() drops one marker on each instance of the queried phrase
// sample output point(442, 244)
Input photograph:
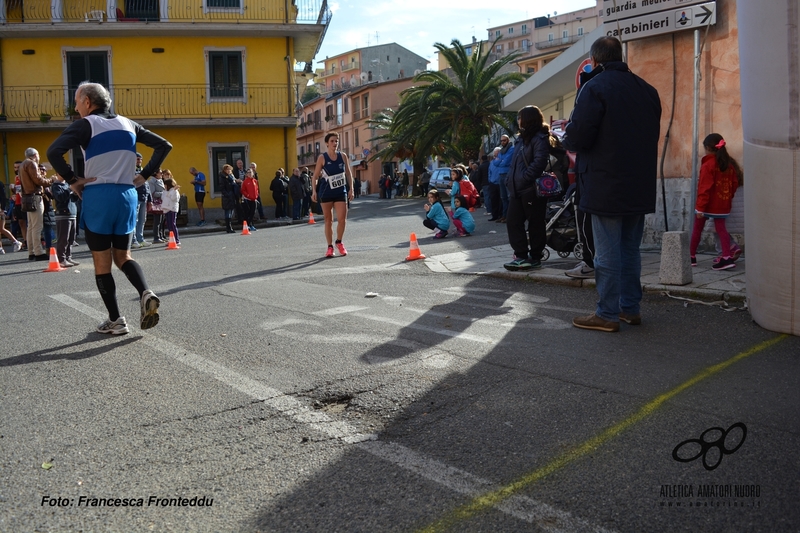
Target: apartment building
point(541, 39)
point(216, 78)
point(367, 65)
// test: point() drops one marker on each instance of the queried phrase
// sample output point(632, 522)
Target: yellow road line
point(490, 499)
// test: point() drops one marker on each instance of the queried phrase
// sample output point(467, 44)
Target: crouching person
point(437, 218)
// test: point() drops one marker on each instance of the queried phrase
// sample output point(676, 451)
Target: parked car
point(440, 179)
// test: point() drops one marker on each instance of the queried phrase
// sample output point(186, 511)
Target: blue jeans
point(504, 194)
point(487, 198)
point(617, 264)
point(141, 216)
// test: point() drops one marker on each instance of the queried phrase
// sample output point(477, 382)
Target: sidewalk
point(707, 284)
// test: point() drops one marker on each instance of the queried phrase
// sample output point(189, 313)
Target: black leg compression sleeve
point(108, 291)
point(135, 275)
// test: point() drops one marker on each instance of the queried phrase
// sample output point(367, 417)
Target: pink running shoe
point(341, 248)
point(329, 253)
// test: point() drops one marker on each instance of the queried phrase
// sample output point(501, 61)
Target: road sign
point(663, 22)
point(625, 9)
point(585, 66)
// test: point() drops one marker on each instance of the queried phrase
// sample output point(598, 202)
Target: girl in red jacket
point(720, 176)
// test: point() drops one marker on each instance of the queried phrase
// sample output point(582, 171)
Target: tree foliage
point(448, 116)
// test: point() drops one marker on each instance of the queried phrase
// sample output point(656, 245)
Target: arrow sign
point(706, 15)
point(662, 22)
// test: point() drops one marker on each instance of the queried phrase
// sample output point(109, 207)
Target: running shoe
point(341, 248)
point(329, 252)
point(150, 303)
point(115, 327)
point(17, 246)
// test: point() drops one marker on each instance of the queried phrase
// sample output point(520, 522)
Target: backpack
point(469, 192)
point(559, 165)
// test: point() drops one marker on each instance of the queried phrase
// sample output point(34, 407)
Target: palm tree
point(397, 142)
point(451, 115)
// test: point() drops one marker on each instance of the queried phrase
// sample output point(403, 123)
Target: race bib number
point(336, 181)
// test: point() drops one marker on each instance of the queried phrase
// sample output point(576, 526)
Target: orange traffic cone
point(311, 217)
point(245, 229)
point(172, 245)
point(54, 265)
point(413, 252)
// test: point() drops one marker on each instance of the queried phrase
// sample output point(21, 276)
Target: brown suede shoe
point(633, 320)
point(595, 322)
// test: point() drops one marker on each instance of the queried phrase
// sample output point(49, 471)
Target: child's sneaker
point(341, 248)
point(440, 234)
point(329, 252)
point(116, 327)
point(724, 264)
point(693, 259)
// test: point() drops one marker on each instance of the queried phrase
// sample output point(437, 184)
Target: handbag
point(28, 204)
point(155, 206)
point(547, 185)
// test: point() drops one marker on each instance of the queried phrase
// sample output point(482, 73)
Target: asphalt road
point(286, 392)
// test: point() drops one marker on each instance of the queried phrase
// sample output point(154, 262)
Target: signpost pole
point(695, 128)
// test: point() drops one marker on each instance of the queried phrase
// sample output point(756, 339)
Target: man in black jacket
point(614, 128)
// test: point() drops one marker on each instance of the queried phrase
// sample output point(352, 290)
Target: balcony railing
point(350, 66)
point(152, 101)
point(58, 11)
point(561, 41)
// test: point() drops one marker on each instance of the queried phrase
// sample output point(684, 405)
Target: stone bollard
point(676, 266)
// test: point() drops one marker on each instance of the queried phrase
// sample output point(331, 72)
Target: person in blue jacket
point(437, 218)
point(502, 165)
point(462, 218)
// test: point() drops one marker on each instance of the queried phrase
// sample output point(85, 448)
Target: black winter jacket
point(614, 128)
point(521, 178)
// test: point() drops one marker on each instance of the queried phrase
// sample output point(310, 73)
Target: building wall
point(133, 62)
point(720, 106)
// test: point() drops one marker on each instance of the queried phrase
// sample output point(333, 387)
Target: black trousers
point(584, 223)
point(530, 210)
point(248, 211)
point(496, 209)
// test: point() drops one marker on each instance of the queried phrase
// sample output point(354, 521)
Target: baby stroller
point(562, 230)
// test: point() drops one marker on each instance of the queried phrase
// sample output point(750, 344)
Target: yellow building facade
point(215, 78)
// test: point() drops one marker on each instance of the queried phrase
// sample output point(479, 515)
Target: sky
point(417, 24)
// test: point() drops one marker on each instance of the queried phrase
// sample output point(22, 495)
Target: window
point(214, 3)
point(339, 108)
point(580, 30)
point(225, 74)
point(224, 155)
point(565, 34)
point(387, 59)
point(317, 120)
point(525, 45)
point(356, 110)
point(316, 149)
point(355, 133)
point(365, 105)
point(346, 105)
point(468, 50)
point(499, 49)
point(550, 37)
point(341, 63)
point(524, 29)
point(398, 59)
point(86, 66)
point(510, 31)
point(531, 70)
point(497, 33)
point(510, 45)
